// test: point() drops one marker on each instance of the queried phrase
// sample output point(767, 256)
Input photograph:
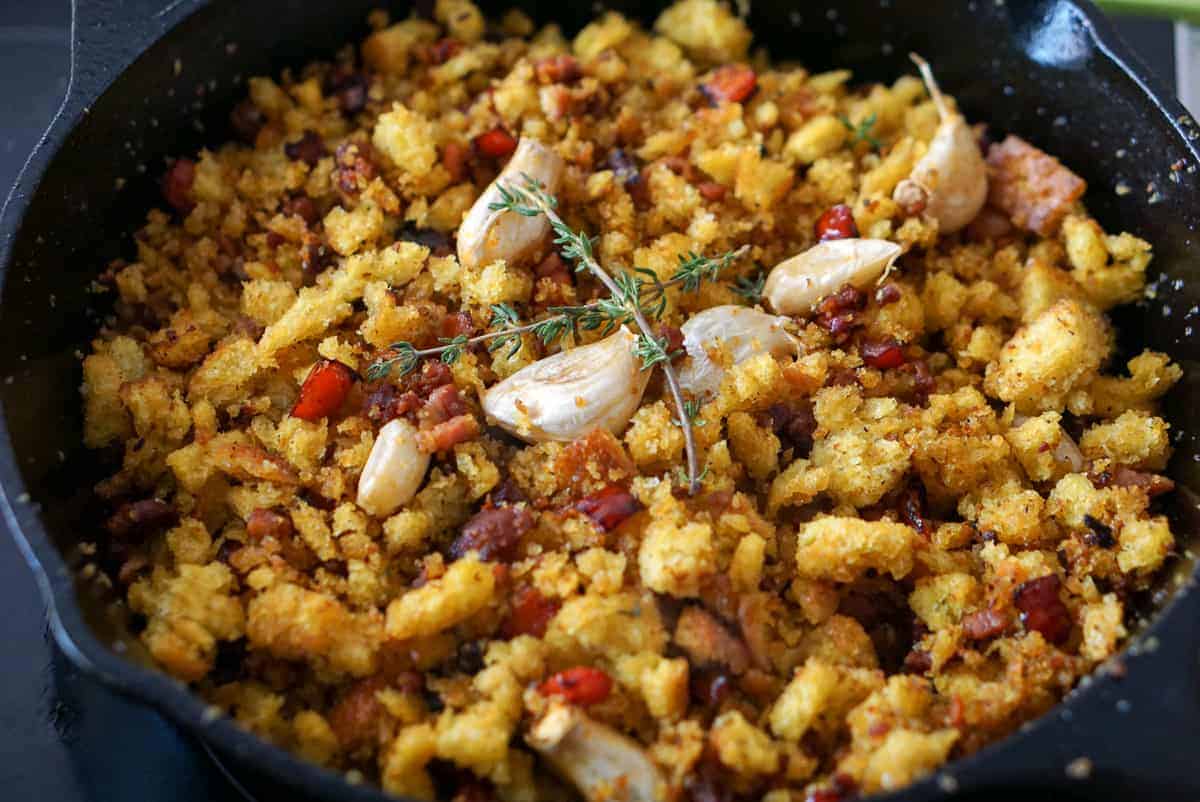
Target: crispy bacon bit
point(1042, 609)
point(356, 716)
point(323, 391)
point(385, 403)
point(560, 69)
point(674, 338)
point(456, 158)
point(443, 404)
point(913, 510)
point(1033, 188)
point(351, 90)
point(1099, 533)
point(493, 533)
point(598, 453)
point(836, 223)
point(554, 268)
point(917, 661)
point(247, 120)
point(447, 434)
point(495, 144)
point(923, 382)
point(711, 191)
point(309, 148)
point(887, 294)
point(443, 50)
point(264, 523)
point(733, 83)
point(883, 354)
point(353, 167)
point(707, 642)
point(838, 313)
point(177, 185)
point(984, 624)
point(315, 256)
point(138, 520)
point(794, 426)
point(531, 614)
point(710, 686)
point(608, 508)
point(434, 374)
point(581, 685)
point(303, 207)
point(457, 324)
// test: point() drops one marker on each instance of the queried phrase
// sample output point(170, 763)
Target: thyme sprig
point(862, 131)
point(634, 298)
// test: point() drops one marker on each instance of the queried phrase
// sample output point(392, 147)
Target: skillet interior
point(1034, 67)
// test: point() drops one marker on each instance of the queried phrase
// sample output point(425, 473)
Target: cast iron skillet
point(152, 79)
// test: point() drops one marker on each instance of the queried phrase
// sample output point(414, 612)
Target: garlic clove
point(567, 395)
point(394, 471)
point(594, 757)
point(795, 285)
point(733, 334)
point(487, 235)
point(950, 180)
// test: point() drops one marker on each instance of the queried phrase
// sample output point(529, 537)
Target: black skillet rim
point(173, 699)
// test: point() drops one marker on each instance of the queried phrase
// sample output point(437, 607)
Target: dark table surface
point(62, 736)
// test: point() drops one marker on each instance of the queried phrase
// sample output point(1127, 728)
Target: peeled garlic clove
point(795, 285)
point(733, 334)
point(565, 396)
point(394, 470)
point(487, 235)
point(595, 758)
point(950, 180)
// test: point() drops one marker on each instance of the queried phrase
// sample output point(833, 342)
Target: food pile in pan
point(506, 415)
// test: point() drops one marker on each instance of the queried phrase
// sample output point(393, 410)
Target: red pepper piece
point(581, 685)
point(609, 507)
point(323, 391)
point(495, 144)
point(836, 223)
point(732, 83)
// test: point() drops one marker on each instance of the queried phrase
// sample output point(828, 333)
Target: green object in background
point(1183, 10)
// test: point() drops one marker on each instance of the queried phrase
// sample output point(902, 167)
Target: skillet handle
point(108, 35)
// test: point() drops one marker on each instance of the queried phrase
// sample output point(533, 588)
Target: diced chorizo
point(493, 533)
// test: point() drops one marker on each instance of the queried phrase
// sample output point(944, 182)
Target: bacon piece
point(1033, 188)
point(560, 69)
point(353, 167)
point(1042, 609)
point(309, 148)
point(1152, 483)
point(917, 661)
point(177, 185)
point(913, 510)
point(733, 83)
point(139, 520)
point(323, 391)
point(707, 642)
point(456, 158)
point(984, 624)
point(303, 207)
point(447, 434)
point(531, 614)
point(794, 426)
point(581, 685)
point(609, 508)
point(495, 144)
point(351, 90)
point(711, 191)
point(494, 533)
point(836, 223)
point(356, 716)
